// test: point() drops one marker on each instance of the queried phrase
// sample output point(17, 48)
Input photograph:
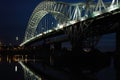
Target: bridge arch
point(44, 8)
point(65, 14)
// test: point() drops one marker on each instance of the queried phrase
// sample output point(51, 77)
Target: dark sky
point(14, 16)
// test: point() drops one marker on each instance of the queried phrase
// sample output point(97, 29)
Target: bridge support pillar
point(117, 55)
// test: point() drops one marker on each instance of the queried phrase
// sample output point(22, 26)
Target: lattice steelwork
point(65, 14)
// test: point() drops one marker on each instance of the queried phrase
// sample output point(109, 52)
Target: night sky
point(14, 16)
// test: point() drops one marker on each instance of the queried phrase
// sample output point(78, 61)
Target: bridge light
point(17, 38)
point(50, 30)
point(87, 49)
point(67, 24)
point(16, 69)
point(96, 13)
point(40, 34)
point(45, 32)
point(112, 7)
point(73, 22)
point(83, 7)
point(83, 18)
point(60, 26)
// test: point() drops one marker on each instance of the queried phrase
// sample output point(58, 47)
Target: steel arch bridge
point(64, 14)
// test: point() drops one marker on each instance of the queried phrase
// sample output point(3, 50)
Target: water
point(7, 71)
point(13, 71)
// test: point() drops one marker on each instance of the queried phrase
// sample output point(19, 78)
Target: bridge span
point(79, 22)
point(100, 16)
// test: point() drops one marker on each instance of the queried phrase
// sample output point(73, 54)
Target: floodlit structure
point(50, 17)
point(62, 15)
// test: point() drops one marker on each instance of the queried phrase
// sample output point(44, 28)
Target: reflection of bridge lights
point(31, 75)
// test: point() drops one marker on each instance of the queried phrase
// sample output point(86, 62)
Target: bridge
point(51, 18)
point(82, 23)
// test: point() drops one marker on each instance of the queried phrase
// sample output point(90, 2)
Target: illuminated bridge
point(81, 23)
point(51, 18)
